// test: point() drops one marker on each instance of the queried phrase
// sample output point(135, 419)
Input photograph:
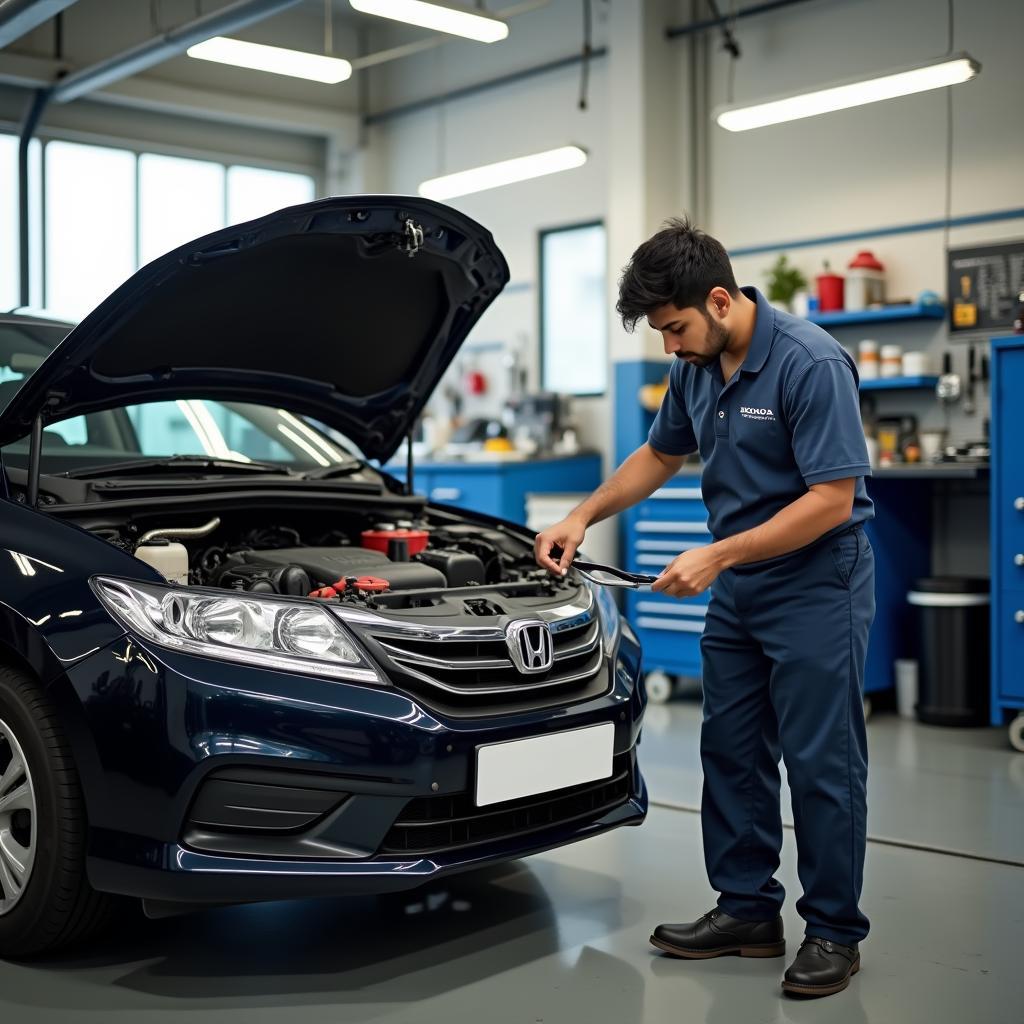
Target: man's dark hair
point(680, 264)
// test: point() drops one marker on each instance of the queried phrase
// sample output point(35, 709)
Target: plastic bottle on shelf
point(867, 359)
point(865, 282)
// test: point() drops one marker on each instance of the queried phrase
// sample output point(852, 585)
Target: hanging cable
point(734, 52)
point(949, 137)
point(588, 49)
point(328, 29)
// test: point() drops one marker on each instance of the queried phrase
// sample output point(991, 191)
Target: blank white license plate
point(540, 764)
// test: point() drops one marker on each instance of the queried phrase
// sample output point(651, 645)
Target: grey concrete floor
point(563, 936)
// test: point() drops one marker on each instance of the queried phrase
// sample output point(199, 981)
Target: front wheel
point(45, 898)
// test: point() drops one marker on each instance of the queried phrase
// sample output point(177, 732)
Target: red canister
point(377, 540)
point(830, 292)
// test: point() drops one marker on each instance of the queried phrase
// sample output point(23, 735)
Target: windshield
point(233, 431)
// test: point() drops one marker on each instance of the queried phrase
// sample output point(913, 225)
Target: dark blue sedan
point(239, 663)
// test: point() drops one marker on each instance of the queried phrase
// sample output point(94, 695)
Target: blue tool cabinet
point(672, 520)
point(1007, 536)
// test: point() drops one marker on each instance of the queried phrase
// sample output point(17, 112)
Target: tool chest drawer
point(674, 519)
point(1008, 660)
point(1007, 531)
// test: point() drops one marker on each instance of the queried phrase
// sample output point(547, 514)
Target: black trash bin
point(953, 663)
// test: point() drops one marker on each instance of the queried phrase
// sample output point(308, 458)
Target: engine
point(389, 563)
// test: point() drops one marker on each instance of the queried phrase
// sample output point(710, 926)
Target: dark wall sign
point(984, 282)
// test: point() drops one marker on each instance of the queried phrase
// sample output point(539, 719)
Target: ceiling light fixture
point(936, 74)
point(439, 16)
point(505, 172)
point(275, 59)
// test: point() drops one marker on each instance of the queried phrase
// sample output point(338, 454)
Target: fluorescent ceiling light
point(274, 59)
point(506, 172)
point(441, 17)
point(935, 75)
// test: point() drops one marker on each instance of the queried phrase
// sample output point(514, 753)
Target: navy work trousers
point(783, 658)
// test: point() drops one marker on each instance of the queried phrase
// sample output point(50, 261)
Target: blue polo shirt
point(788, 418)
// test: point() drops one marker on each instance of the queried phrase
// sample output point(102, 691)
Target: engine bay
point(428, 563)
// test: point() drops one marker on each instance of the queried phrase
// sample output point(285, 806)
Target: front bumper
point(150, 729)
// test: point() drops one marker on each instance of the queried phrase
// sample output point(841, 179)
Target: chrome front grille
point(478, 663)
point(468, 670)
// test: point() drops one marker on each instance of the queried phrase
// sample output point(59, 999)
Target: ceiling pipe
point(706, 24)
point(19, 17)
point(167, 45)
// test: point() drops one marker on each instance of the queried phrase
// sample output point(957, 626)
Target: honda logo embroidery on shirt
point(754, 413)
point(529, 643)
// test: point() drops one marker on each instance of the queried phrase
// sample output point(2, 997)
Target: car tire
point(55, 905)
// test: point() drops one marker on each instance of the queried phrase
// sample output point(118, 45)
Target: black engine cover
point(459, 567)
point(327, 565)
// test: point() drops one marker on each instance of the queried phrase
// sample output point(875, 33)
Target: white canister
point(915, 364)
point(169, 558)
point(891, 364)
point(867, 359)
point(865, 282)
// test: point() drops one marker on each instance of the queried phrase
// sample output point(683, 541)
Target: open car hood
point(348, 310)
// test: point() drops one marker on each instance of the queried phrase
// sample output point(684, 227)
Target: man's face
point(697, 335)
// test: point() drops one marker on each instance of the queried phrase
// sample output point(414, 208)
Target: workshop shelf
point(910, 311)
point(925, 382)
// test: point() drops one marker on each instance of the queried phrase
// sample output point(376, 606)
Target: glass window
point(574, 316)
point(90, 225)
point(10, 250)
point(179, 200)
point(9, 273)
point(255, 191)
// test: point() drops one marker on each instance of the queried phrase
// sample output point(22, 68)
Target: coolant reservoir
point(169, 558)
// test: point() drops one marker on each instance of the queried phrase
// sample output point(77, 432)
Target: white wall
point(531, 115)
point(874, 166)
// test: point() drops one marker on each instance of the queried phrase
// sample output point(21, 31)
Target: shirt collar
point(764, 332)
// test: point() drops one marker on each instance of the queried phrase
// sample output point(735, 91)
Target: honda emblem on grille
point(529, 643)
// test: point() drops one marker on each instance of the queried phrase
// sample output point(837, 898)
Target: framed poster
point(983, 285)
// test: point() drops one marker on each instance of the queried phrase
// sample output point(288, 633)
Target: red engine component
point(377, 540)
point(350, 584)
point(363, 584)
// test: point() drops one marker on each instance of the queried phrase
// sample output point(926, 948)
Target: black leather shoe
point(718, 934)
point(821, 968)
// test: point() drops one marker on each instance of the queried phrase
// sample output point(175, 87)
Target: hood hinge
point(412, 241)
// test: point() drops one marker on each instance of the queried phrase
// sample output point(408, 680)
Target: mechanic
point(771, 403)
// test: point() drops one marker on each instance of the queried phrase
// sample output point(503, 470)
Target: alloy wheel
point(17, 820)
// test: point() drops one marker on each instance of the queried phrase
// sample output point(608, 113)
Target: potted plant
point(784, 281)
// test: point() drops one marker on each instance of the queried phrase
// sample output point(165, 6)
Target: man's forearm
point(798, 524)
point(637, 478)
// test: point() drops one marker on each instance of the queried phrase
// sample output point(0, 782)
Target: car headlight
point(609, 614)
point(263, 631)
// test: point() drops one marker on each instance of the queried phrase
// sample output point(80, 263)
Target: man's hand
point(568, 535)
point(690, 573)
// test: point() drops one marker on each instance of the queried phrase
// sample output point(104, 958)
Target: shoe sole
point(765, 950)
point(822, 990)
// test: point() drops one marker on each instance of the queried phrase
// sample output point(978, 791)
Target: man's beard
point(718, 338)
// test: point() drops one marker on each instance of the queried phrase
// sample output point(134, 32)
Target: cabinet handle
point(1018, 616)
point(1018, 504)
point(1018, 559)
